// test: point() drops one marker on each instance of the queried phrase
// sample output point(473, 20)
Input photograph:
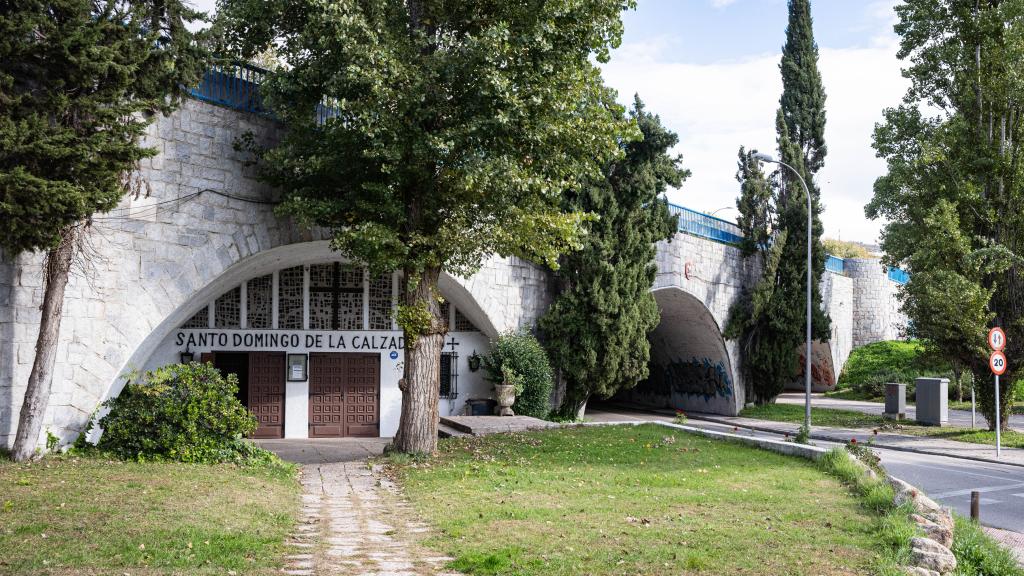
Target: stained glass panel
point(258, 302)
point(289, 299)
point(227, 310)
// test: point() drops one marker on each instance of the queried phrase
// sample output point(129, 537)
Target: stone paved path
point(353, 521)
point(1014, 541)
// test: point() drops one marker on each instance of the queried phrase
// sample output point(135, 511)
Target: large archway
point(306, 301)
point(691, 367)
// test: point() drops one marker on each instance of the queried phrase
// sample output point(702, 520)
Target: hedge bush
point(871, 366)
point(519, 358)
point(181, 412)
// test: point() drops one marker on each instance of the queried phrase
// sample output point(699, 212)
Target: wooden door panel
point(343, 395)
point(266, 393)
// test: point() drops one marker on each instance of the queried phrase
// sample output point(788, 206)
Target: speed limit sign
point(997, 362)
point(996, 339)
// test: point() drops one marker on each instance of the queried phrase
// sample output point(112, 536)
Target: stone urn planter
point(506, 398)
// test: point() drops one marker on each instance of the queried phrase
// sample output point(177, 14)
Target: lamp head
point(764, 157)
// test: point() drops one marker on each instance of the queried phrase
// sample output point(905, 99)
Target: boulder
point(923, 505)
point(941, 533)
point(930, 555)
point(918, 571)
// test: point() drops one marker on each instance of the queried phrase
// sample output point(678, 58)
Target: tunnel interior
point(690, 368)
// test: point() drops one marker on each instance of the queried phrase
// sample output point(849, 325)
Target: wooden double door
point(344, 395)
point(260, 386)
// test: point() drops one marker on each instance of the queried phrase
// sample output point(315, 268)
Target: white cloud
point(716, 108)
point(722, 3)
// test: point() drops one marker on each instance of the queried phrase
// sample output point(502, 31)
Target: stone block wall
point(876, 306)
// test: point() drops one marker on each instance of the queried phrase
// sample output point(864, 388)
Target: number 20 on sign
point(997, 362)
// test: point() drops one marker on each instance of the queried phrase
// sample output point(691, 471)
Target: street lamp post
point(810, 215)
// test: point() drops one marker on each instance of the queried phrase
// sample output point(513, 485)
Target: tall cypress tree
point(769, 321)
point(79, 81)
point(596, 329)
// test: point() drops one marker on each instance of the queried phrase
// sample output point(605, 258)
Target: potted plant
point(507, 390)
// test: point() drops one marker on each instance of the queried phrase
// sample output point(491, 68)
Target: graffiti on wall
point(821, 371)
point(702, 377)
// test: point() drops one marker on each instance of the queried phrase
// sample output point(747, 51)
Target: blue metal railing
point(898, 276)
point(232, 85)
point(835, 264)
point(705, 226)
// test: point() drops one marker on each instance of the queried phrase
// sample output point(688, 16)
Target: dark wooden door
point(362, 387)
point(344, 395)
point(266, 393)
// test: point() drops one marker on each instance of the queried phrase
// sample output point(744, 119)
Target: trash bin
point(932, 399)
point(896, 400)
point(481, 406)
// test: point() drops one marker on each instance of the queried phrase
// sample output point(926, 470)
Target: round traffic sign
point(996, 339)
point(997, 362)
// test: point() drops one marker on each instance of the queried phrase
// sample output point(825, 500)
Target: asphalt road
point(960, 418)
point(949, 481)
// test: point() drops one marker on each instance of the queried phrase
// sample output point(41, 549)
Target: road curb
point(828, 438)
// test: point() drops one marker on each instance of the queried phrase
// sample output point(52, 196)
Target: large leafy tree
point(448, 132)
point(954, 188)
point(79, 83)
point(769, 321)
point(596, 329)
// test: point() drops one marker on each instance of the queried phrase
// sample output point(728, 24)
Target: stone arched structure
point(691, 366)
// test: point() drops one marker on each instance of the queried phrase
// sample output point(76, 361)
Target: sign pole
point(998, 422)
point(974, 421)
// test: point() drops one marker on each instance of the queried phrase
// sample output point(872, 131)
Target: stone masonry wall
point(154, 256)
point(876, 307)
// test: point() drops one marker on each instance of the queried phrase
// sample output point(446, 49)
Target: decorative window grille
point(258, 301)
point(349, 312)
point(289, 298)
point(335, 297)
point(200, 320)
point(449, 375)
point(227, 310)
point(462, 324)
point(446, 313)
point(380, 303)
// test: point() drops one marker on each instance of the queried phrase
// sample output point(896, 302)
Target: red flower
point(853, 440)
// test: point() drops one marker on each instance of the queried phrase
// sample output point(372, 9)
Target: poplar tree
point(79, 82)
point(449, 132)
point(596, 329)
point(769, 321)
point(953, 189)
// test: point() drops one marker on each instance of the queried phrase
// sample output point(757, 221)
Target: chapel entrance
point(344, 395)
point(260, 386)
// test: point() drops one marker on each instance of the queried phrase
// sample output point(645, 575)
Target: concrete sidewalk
point(961, 418)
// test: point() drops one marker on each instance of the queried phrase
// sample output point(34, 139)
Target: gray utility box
point(932, 401)
point(896, 400)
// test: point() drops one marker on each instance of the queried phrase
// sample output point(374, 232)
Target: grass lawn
point(794, 413)
point(636, 500)
point(67, 515)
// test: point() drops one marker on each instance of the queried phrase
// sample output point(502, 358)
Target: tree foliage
point(954, 184)
point(449, 132)
point(769, 320)
point(845, 248)
point(517, 358)
point(596, 329)
point(79, 82)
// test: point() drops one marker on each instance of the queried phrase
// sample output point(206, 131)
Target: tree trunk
point(37, 392)
point(421, 383)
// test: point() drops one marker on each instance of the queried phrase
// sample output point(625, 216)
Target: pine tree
point(79, 82)
point(769, 321)
point(596, 329)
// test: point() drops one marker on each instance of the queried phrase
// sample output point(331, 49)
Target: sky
point(709, 68)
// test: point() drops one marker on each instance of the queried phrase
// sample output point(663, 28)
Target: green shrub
point(871, 366)
point(182, 412)
point(517, 357)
